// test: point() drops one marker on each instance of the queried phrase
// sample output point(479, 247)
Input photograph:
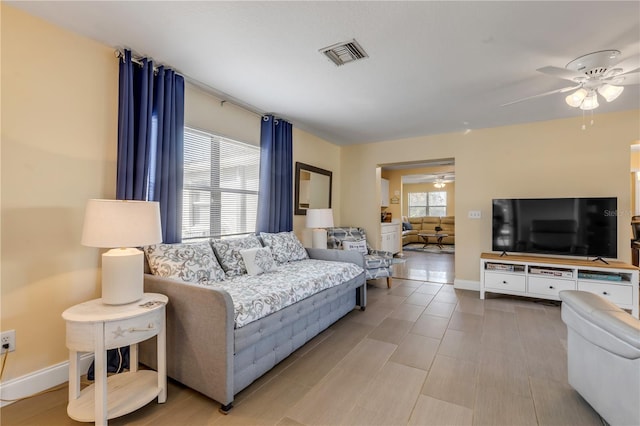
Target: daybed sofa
point(226, 327)
point(427, 224)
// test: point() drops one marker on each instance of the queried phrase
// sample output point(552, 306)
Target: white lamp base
point(319, 238)
point(122, 276)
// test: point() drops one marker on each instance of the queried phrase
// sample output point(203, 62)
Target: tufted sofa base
point(263, 344)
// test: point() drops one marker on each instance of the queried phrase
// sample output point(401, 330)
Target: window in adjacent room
point(427, 203)
point(220, 193)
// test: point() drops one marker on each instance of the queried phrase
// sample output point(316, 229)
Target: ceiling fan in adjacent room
point(441, 181)
point(594, 74)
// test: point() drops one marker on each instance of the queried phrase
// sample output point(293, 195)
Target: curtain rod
point(222, 96)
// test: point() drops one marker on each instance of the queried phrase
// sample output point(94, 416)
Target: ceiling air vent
point(345, 52)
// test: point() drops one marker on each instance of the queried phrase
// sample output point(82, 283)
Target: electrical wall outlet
point(475, 214)
point(8, 337)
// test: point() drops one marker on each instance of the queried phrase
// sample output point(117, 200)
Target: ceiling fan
point(441, 181)
point(592, 74)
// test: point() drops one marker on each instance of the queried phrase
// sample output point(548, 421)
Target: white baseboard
point(40, 380)
point(466, 285)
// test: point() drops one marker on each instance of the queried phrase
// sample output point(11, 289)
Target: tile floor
point(422, 353)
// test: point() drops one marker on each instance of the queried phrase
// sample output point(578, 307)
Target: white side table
point(95, 327)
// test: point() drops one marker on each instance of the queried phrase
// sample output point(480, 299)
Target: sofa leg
point(388, 282)
point(224, 409)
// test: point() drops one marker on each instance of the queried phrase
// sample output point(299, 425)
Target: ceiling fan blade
point(560, 73)
point(627, 79)
point(628, 65)
point(630, 79)
point(563, 90)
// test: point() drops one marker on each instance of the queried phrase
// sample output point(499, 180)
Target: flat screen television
point(556, 226)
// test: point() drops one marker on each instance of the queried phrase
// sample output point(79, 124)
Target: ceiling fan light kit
point(609, 92)
point(590, 102)
point(595, 74)
point(575, 99)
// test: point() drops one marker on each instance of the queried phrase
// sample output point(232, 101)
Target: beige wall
point(545, 159)
point(59, 133)
point(59, 146)
point(205, 112)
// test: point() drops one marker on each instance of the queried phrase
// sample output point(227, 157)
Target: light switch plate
point(475, 214)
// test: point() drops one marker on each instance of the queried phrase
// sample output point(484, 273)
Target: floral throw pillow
point(360, 245)
point(258, 260)
point(228, 252)
point(192, 263)
point(284, 246)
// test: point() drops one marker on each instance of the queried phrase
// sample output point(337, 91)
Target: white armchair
point(603, 354)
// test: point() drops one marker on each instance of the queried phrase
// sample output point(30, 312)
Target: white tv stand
point(544, 277)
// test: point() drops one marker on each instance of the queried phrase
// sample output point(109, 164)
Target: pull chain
point(584, 126)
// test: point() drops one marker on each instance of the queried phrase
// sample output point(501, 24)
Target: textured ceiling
point(433, 67)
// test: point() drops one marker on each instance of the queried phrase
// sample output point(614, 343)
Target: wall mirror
point(313, 188)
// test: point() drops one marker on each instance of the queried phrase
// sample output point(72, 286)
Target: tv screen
point(558, 226)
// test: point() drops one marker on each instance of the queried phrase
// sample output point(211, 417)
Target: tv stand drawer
point(615, 293)
point(503, 281)
point(549, 286)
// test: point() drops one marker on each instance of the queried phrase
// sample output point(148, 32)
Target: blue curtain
point(167, 153)
point(151, 140)
point(134, 128)
point(275, 196)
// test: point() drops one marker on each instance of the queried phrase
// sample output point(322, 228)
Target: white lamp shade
point(575, 99)
point(118, 223)
point(319, 218)
point(590, 102)
point(121, 226)
point(609, 92)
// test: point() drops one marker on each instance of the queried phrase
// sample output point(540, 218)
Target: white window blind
point(220, 192)
point(427, 203)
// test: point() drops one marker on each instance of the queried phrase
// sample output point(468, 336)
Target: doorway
point(422, 197)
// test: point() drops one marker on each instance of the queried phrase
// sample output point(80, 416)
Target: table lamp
point(318, 219)
point(121, 226)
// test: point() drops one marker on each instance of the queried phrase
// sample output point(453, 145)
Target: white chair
point(603, 354)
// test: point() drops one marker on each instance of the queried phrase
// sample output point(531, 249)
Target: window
point(220, 192)
point(427, 203)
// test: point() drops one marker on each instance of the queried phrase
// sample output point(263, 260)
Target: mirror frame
point(308, 168)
